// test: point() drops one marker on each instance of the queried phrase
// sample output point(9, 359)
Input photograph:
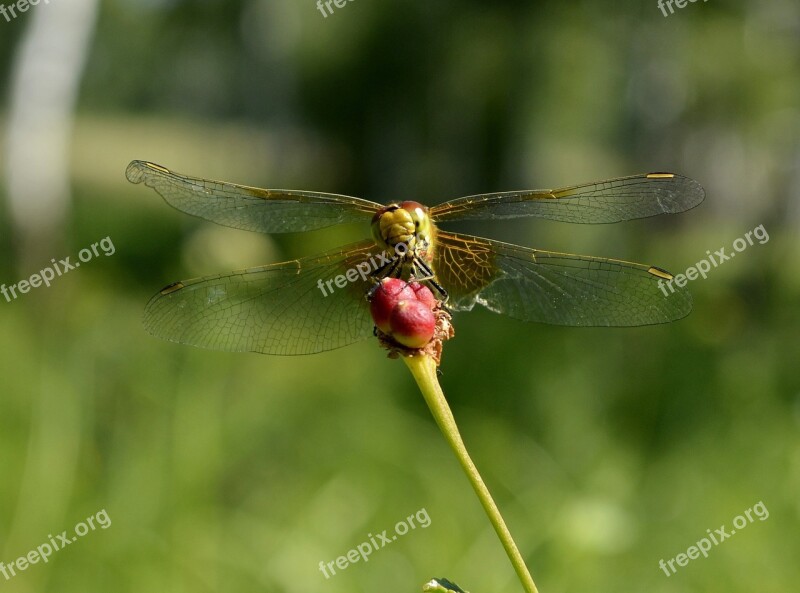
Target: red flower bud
point(412, 323)
point(385, 298)
point(424, 294)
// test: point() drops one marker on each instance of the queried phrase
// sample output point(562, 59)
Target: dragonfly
point(319, 303)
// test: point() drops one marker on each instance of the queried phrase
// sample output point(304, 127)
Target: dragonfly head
point(406, 222)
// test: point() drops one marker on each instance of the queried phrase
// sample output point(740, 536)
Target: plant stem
point(424, 370)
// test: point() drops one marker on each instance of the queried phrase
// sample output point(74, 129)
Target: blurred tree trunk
point(45, 83)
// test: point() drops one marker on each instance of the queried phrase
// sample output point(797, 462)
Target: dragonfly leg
point(417, 265)
point(395, 268)
point(429, 277)
point(382, 272)
point(371, 291)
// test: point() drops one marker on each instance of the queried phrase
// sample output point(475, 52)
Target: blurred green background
point(607, 449)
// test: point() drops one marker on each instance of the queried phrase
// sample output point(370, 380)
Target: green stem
point(424, 370)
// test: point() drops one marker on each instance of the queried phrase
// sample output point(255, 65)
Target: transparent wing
point(557, 288)
point(625, 198)
point(250, 208)
point(275, 309)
